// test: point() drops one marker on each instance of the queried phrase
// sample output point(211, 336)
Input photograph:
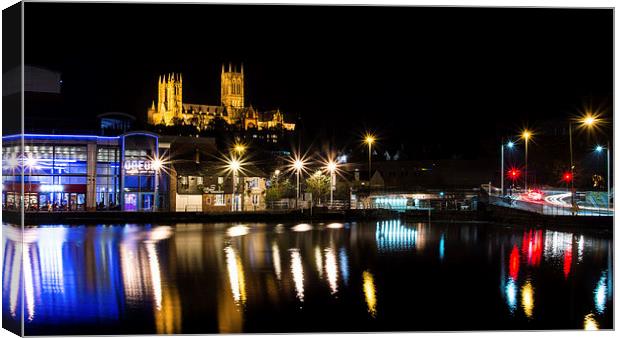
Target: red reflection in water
point(514, 263)
point(568, 259)
point(532, 246)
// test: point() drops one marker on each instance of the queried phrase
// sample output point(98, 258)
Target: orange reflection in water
point(590, 323)
point(370, 293)
point(527, 299)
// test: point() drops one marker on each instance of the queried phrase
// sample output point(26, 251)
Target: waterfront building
point(83, 172)
point(206, 186)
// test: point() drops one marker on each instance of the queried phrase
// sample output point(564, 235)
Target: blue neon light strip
point(59, 137)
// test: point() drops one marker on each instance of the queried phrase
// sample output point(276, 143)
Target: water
point(371, 276)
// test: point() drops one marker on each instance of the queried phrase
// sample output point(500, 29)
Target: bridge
point(552, 202)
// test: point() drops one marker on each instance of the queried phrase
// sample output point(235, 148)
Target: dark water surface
point(374, 276)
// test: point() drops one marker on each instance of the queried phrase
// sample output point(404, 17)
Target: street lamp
point(331, 168)
point(156, 165)
point(587, 121)
point(600, 149)
point(526, 135)
point(369, 139)
point(298, 165)
point(234, 165)
point(239, 148)
point(510, 145)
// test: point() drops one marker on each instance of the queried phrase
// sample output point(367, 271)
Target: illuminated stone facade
point(170, 110)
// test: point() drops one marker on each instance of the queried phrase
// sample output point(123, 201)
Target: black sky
point(430, 77)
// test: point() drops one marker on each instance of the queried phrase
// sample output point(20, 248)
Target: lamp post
point(331, 168)
point(234, 165)
point(369, 139)
point(157, 166)
point(298, 165)
point(600, 149)
point(587, 121)
point(510, 144)
point(526, 135)
point(240, 148)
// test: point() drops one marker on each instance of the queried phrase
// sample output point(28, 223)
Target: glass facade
point(108, 178)
point(140, 175)
point(76, 173)
point(54, 176)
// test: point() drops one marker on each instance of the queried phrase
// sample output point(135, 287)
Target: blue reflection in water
point(344, 265)
point(442, 247)
point(79, 282)
point(600, 294)
point(392, 236)
point(511, 294)
point(68, 276)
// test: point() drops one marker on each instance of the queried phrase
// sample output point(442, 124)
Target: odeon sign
point(139, 167)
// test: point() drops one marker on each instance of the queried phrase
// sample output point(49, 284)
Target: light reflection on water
point(370, 293)
point(201, 278)
point(298, 273)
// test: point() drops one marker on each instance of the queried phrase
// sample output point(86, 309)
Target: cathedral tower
point(232, 92)
point(169, 100)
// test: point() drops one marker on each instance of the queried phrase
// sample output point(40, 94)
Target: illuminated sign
point(139, 167)
point(51, 188)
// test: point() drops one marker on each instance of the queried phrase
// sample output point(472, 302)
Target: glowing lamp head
point(156, 164)
point(526, 134)
point(30, 162)
point(589, 120)
point(510, 144)
point(239, 148)
point(277, 172)
point(298, 164)
point(599, 149)
point(234, 165)
point(331, 166)
point(369, 139)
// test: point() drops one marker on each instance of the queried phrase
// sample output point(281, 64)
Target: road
point(558, 203)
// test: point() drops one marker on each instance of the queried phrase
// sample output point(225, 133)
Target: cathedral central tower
point(232, 93)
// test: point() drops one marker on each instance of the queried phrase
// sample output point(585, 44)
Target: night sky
point(446, 79)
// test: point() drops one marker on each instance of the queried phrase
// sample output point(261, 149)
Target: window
point(219, 200)
point(255, 199)
point(253, 183)
point(199, 180)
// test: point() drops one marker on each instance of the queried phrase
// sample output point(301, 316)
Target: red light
point(514, 174)
point(567, 177)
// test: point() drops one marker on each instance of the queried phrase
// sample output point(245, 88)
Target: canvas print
point(198, 168)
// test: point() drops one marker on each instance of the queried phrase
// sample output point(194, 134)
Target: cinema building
point(83, 172)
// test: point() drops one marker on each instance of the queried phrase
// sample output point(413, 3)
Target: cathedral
point(170, 110)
